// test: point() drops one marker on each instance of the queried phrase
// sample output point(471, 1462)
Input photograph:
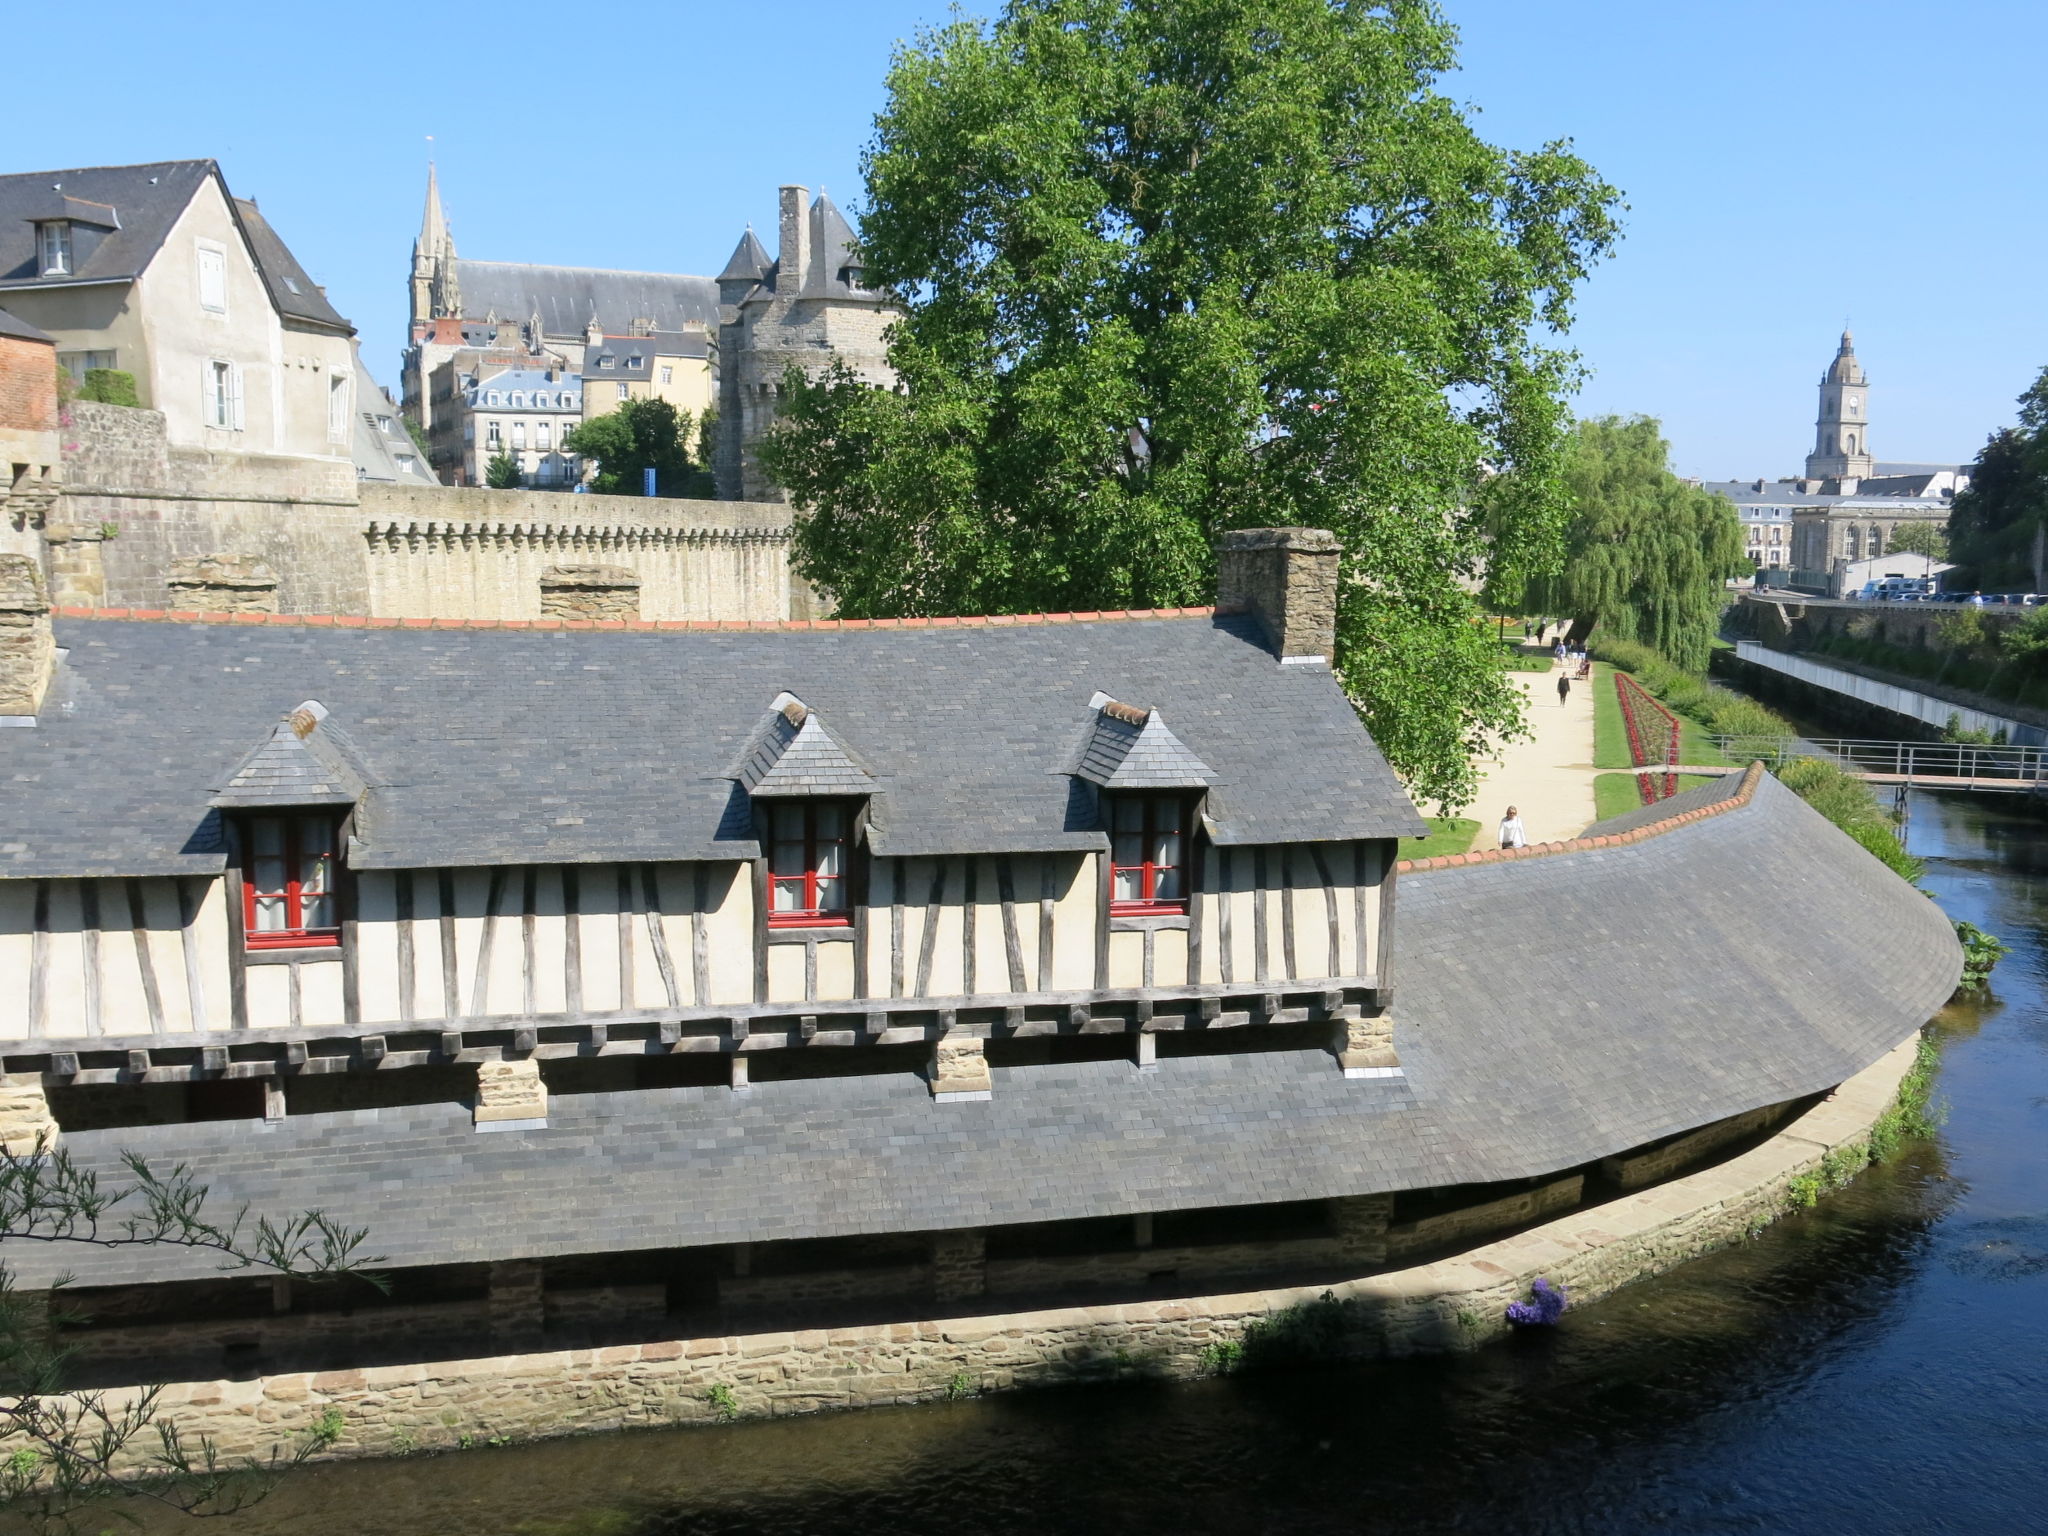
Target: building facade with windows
point(679, 367)
point(524, 412)
point(160, 272)
point(714, 978)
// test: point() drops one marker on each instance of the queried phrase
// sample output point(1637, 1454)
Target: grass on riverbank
point(1615, 794)
point(1610, 733)
point(1447, 835)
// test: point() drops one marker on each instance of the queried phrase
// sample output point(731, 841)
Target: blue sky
point(1788, 165)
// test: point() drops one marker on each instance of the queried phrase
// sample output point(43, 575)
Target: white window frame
point(519, 437)
point(543, 436)
point(338, 396)
point(212, 262)
point(222, 386)
point(668, 373)
point(53, 248)
point(625, 390)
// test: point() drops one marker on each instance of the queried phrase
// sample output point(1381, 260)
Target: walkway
point(1548, 777)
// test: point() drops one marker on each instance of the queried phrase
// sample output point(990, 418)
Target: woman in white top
point(1512, 834)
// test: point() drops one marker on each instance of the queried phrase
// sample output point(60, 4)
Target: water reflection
point(1871, 1366)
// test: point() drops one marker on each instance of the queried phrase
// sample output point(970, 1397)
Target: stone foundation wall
point(1453, 1304)
point(1633, 1172)
point(1408, 1238)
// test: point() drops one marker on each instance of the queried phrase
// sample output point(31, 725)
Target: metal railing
point(2001, 767)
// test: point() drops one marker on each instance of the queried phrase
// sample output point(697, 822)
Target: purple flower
point(1542, 1310)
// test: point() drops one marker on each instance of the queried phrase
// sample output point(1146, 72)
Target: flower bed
point(1652, 738)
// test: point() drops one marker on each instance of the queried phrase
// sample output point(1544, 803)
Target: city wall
point(132, 506)
point(1455, 1303)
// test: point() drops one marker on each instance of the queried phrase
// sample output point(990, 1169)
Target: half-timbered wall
point(94, 958)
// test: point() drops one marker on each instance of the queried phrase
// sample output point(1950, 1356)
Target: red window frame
point(304, 838)
point(1158, 817)
point(823, 900)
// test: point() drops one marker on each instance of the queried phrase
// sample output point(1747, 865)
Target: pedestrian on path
point(1512, 833)
point(1564, 689)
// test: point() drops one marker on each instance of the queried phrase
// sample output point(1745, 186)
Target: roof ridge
point(1751, 777)
point(557, 266)
point(361, 621)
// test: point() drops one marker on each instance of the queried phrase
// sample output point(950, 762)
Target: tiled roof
point(795, 755)
point(304, 761)
point(567, 299)
point(553, 743)
point(1726, 963)
point(1133, 750)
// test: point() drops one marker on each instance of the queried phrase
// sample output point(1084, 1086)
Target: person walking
point(1564, 688)
point(1512, 833)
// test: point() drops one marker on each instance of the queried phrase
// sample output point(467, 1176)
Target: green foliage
point(66, 1446)
point(1966, 736)
point(1847, 802)
point(1928, 539)
point(1722, 712)
point(1646, 555)
point(959, 1385)
point(1171, 270)
point(1222, 1356)
point(502, 473)
point(724, 1406)
point(1981, 952)
point(418, 434)
point(638, 436)
point(109, 386)
point(1962, 630)
point(1998, 527)
point(1837, 1167)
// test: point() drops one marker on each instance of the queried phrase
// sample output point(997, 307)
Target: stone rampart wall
point(1453, 1304)
point(1792, 625)
point(398, 551)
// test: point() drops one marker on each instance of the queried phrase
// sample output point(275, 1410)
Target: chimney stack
point(1288, 578)
point(27, 649)
point(793, 260)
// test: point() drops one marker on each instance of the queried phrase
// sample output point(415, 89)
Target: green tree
point(1918, 539)
point(71, 1450)
point(640, 435)
point(502, 472)
point(109, 386)
point(1998, 528)
point(1174, 268)
point(1646, 555)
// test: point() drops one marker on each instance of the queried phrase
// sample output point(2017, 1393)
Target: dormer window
point(288, 882)
point(636, 362)
point(53, 248)
point(1148, 855)
point(607, 362)
point(807, 864)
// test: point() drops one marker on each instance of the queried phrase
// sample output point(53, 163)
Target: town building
point(808, 307)
point(674, 366)
point(635, 982)
point(525, 412)
point(482, 316)
point(158, 271)
point(1805, 532)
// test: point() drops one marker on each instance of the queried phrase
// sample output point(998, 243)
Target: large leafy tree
point(1998, 528)
point(640, 435)
point(1647, 556)
point(1173, 267)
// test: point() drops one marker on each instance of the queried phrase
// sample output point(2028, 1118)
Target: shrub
point(1981, 951)
point(109, 386)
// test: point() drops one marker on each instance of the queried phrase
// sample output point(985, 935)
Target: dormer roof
point(1131, 748)
point(302, 762)
point(793, 754)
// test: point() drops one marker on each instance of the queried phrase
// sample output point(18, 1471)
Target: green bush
point(1720, 711)
point(109, 386)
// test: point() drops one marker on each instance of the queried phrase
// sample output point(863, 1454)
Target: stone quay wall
point(133, 506)
point(1452, 1304)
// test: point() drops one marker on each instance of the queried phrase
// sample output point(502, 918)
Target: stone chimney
point(221, 584)
point(27, 649)
point(1288, 578)
point(589, 592)
point(794, 258)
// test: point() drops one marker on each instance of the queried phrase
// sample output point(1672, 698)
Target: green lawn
point(1615, 794)
point(1448, 835)
point(1610, 736)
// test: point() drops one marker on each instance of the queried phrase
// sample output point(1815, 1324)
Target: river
point(1877, 1365)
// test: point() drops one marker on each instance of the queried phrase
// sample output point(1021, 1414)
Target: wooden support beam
point(213, 1059)
point(451, 1043)
point(524, 1040)
point(807, 1026)
point(371, 1048)
point(138, 1064)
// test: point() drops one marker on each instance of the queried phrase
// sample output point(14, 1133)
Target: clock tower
point(1841, 436)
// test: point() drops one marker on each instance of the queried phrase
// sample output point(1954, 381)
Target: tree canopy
point(1646, 555)
point(638, 436)
point(1174, 268)
point(1918, 539)
point(1998, 527)
point(501, 472)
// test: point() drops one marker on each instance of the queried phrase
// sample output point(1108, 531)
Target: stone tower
point(1841, 436)
point(434, 290)
point(807, 307)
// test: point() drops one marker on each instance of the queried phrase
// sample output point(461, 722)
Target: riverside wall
point(1454, 1303)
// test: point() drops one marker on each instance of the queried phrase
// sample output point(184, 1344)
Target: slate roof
point(749, 261)
point(626, 351)
point(1742, 960)
point(303, 761)
point(10, 325)
point(795, 755)
point(566, 298)
point(382, 453)
point(147, 200)
point(1141, 754)
point(508, 746)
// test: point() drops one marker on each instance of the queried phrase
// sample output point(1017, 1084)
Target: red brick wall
point(28, 385)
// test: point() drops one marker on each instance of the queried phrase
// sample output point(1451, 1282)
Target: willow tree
point(1173, 267)
point(1647, 557)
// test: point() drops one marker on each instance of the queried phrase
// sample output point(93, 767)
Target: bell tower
point(1841, 434)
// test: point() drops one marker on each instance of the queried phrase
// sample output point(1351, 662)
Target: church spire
point(433, 260)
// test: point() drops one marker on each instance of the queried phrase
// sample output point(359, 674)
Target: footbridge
point(1900, 764)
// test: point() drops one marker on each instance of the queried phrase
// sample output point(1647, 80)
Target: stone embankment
point(1452, 1304)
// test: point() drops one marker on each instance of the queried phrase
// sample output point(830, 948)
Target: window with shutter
point(213, 280)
